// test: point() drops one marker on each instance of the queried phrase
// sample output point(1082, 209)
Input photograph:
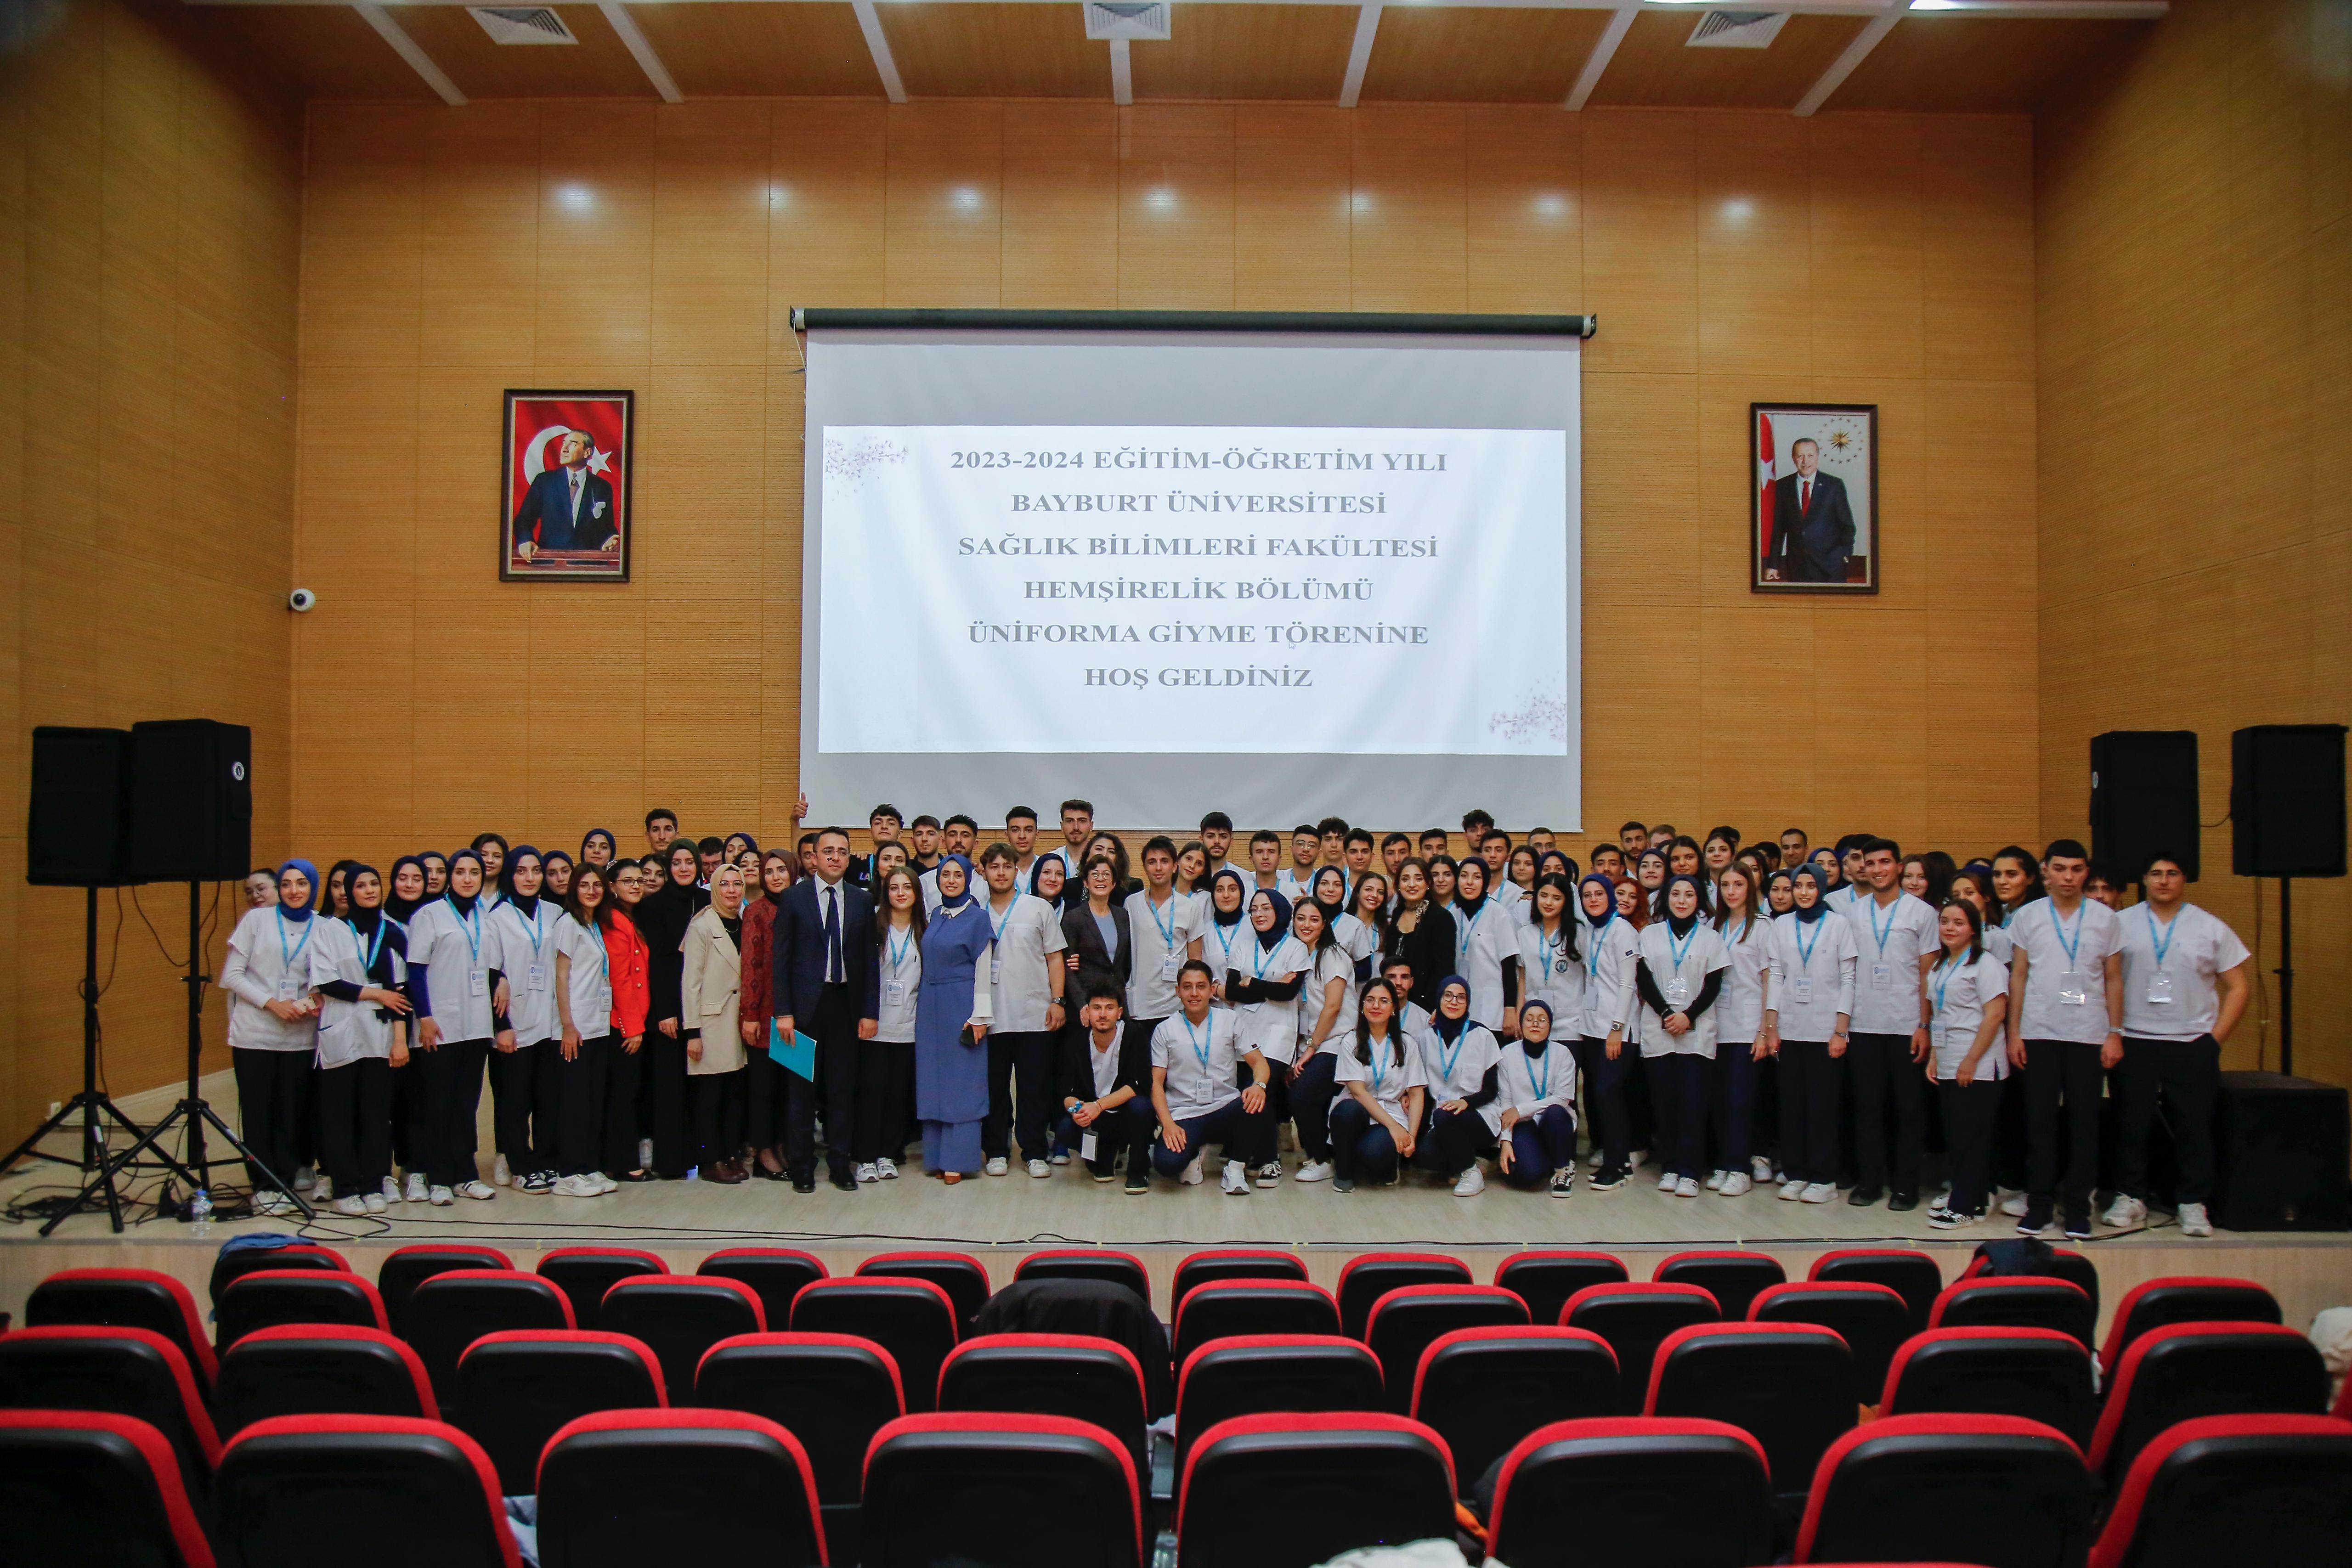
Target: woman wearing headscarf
point(709, 996)
point(1807, 1007)
point(598, 847)
point(1534, 1095)
point(523, 1074)
point(449, 980)
point(404, 896)
point(1681, 979)
point(1262, 987)
point(1611, 956)
point(952, 1009)
point(1226, 935)
point(625, 954)
point(1463, 1059)
point(436, 873)
point(667, 911)
point(767, 1080)
point(273, 1025)
point(359, 967)
point(1049, 879)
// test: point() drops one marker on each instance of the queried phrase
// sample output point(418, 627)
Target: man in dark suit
point(568, 507)
point(823, 946)
point(1118, 1113)
point(1813, 525)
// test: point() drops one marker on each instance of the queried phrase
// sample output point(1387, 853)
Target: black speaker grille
point(191, 800)
point(75, 827)
point(2287, 800)
point(2143, 799)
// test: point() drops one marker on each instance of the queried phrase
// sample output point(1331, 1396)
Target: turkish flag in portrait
point(567, 485)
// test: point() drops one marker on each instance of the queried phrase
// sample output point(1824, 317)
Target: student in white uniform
point(1611, 956)
point(1026, 969)
point(886, 1075)
point(273, 1028)
point(1681, 980)
point(1976, 885)
point(1225, 934)
point(449, 979)
point(523, 1078)
point(1196, 1098)
point(1535, 1106)
point(1360, 931)
point(2185, 988)
point(2065, 1029)
point(1747, 933)
point(1966, 994)
point(1326, 1003)
point(1295, 880)
point(1261, 989)
point(1384, 1085)
point(1551, 952)
point(1462, 1058)
point(1807, 1008)
point(586, 1040)
point(358, 967)
point(1485, 950)
point(1164, 927)
point(1893, 932)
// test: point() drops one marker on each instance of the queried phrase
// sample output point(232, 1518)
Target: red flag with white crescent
point(1768, 469)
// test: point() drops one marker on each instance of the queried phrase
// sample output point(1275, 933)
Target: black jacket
point(1078, 1075)
point(1084, 937)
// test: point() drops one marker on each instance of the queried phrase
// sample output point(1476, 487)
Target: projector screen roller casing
point(1271, 574)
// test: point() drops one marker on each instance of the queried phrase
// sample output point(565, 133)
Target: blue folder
point(798, 1055)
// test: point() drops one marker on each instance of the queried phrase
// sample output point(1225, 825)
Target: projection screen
point(1279, 567)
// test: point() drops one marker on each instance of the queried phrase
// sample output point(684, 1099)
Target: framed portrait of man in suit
point(565, 462)
point(1814, 504)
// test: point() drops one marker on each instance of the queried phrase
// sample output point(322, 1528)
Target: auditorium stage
point(1001, 1218)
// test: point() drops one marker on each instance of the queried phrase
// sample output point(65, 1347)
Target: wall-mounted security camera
point(302, 600)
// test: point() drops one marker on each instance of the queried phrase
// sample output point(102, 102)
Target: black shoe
point(1136, 1181)
point(636, 1176)
point(1609, 1178)
point(803, 1183)
point(2078, 1223)
point(2037, 1218)
point(1343, 1184)
point(1863, 1196)
point(1902, 1202)
point(764, 1173)
point(844, 1183)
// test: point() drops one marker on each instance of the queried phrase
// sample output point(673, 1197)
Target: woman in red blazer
point(625, 951)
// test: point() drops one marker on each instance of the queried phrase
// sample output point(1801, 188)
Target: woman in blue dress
point(951, 1064)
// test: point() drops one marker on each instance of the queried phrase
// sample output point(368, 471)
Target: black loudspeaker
point(191, 800)
point(2284, 1145)
point(2287, 800)
point(2143, 799)
point(77, 827)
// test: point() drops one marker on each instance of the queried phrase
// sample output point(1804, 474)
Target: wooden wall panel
point(150, 233)
point(2191, 268)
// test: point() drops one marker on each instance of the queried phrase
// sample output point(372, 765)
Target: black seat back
point(2184, 1370)
point(1051, 1374)
point(90, 1488)
point(1482, 1390)
point(297, 1369)
point(2039, 1374)
point(300, 1490)
point(121, 1372)
point(126, 1299)
point(585, 1275)
point(1254, 1374)
point(1788, 1386)
point(959, 1274)
point(2022, 1301)
point(1735, 1278)
point(1095, 1264)
point(266, 1298)
point(1408, 1321)
point(833, 1391)
point(777, 1273)
point(1914, 1276)
point(1115, 1312)
point(1872, 1319)
point(2193, 1298)
point(1222, 1308)
point(1290, 1491)
point(2234, 1490)
point(635, 1487)
point(1545, 1281)
point(1625, 1489)
point(1635, 1319)
point(1232, 1264)
point(229, 1265)
point(912, 1319)
point(988, 1488)
point(1366, 1279)
point(405, 1268)
point(681, 1316)
point(517, 1389)
point(1911, 1488)
point(451, 1310)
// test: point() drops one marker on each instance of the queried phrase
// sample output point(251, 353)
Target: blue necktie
point(832, 934)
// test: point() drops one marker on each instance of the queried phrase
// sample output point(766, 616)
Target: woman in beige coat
point(709, 989)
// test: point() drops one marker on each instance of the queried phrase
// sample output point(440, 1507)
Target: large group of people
point(1739, 1013)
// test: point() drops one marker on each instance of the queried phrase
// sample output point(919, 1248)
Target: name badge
point(995, 970)
point(291, 987)
point(1086, 1146)
point(1802, 988)
point(1881, 976)
point(478, 983)
point(894, 992)
point(604, 998)
point(1678, 991)
point(2074, 990)
point(1171, 965)
point(536, 977)
point(2159, 988)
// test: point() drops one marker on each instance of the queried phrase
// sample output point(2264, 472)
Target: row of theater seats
point(498, 1352)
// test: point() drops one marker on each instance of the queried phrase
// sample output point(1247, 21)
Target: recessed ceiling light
point(574, 197)
point(964, 199)
point(1159, 199)
point(1551, 206)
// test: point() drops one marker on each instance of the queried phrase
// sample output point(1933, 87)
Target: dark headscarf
point(611, 843)
point(1676, 923)
point(1220, 916)
point(528, 907)
point(399, 908)
point(1332, 908)
point(1471, 907)
point(1059, 899)
point(1533, 1047)
point(963, 901)
point(1821, 904)
point(302, 911)
point(1451, 1029)
point(370, 925)
point(1272, 938)
point(1608, 886)
point(1567, 866)
point(463, 904)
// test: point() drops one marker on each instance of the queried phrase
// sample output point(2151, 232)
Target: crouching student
point(360, 969)
point(1107, 1090)
point(1195, 1062)
point(1462, 1058)
point(1536, 1091)
point(1383, 1084)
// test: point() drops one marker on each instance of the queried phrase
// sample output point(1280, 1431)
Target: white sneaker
point(1687, 1188)
point(2014, 1206)
point(1058, 1157)
point(886, 1170)
point(1715, 1180)
point(569, 1186)
point(1471, 1185)
point(500, 1172)
point(2125, 1212)
point(1637, 1159)
point(1821, 1192)
point(867, 1173)
point(440, 1198)
point(306, 1178)
point(1666, 1182)
point(1235, 1179)
point(2194, 1221)
point(996, 1166)
point(1760, 1166)
point(353, 1207)
point(390, 1189)
point(1192, 1172)
point(273, 1203)
point(479, 1190)
point(1735, 1184)
point(375, 1203)
point(1312, 1170)
point(321, 1187)
point(1040, 1168)
point(419, 1190)
point(1599, 1158)
point(645, 1153)
point(1792, 1190)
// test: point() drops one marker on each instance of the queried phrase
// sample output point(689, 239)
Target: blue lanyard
point(1469, 929)
point(1226, 943)
point(995, 927)
point(1680, 950)
point(367, 964)
point(1199, 1050)
point(1167, 927)
point(1445, 1060)
point(1258, 958)
point(1375, 1051)
point(286, 957)
point(472, 927)
point(1592, 952)
point(2075, 946)
point(1543, 1089)
point(898, 949)
point(1805, 949)
point(538, 933)
point(1548, 946)
point(1889, 931)
point(2164, 947)
point(1946, 967)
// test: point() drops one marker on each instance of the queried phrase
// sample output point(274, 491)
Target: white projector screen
point(1280, 574)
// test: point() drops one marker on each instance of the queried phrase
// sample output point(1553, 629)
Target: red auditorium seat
point(291, 1488)
point(1482, 1390)
point(1912, 1488)
point(959, 1274)
point(229, 1266)
point(1788, 1386)
point(308, 1369)
point(453, 1309)
point(118, 1371)
point(777, 1273)
point(2060, 1263)
point(995, 1488)
point(1628, 1489)
point(2185, 1299)
point(2272, 1490)
point(1545, 1281)
point(629, 1487)
point(1410, 1319)
point(586, 1273)
point(1914, 1276)
point(912, 1319)
point(89, 1486)
point(2185, 1370)
point(832, 1391)
point(2037, 1374)
point(129, 1298)
point(1634, 1319)
point(1872, 1319)
point(1254, 1374)
point(1221, 1308)
point(1232, 1264)
point(681, 1316)
point(1735, 1278)
point(269, 1297)
point(518, 1387)
point(1095, 1264)
point(1289, 1490)
point(1369, 1276)
point(1076, 1375)
point(405, 1268)
point(2017, 1301)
